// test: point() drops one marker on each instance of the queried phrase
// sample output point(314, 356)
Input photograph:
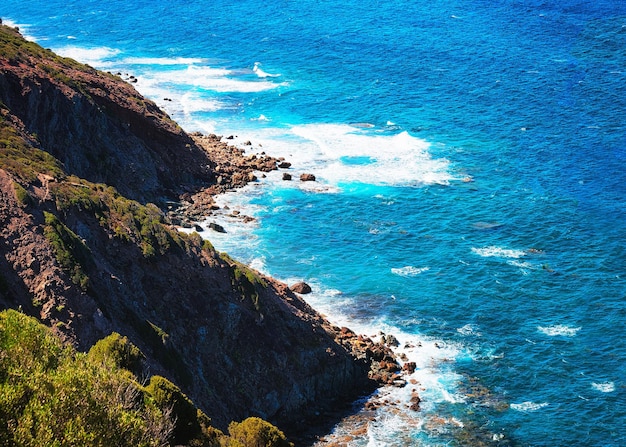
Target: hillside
point(86, 166)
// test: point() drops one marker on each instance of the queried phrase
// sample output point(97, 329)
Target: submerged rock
point(217, 227)
point(307, 178)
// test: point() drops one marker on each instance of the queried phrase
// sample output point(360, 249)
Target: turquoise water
point(470, 185)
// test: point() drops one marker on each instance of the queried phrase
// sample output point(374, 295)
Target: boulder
point(217, 227)
point(286, 176)
point(390, 340)
point(409, 367)
point(307, 178)
point(301, 288)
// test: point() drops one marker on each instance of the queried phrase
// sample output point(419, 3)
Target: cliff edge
point(83, 160)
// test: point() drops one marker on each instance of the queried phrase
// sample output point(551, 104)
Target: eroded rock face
point(236, 342)
point(99, 127)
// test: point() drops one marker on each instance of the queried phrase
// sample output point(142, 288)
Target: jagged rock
point(216, 227)
point(415, 401)
point(409, 367)
point(307, 178)
point(286, 176)
point(390, 340)
point(301, 288)
point(284, 165)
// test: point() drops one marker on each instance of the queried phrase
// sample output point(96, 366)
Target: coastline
point(398, 389)
point(389, 371)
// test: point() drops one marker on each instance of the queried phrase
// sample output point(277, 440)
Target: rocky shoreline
point(236, 169)
point(233, 169)
point(85, 250)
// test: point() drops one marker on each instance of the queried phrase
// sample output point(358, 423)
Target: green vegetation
point(127, 219)
point(71, 252)
point(167, 395)
point(118, 350)
point(15, 48)
point(245, 280)
point(22, 160)
point(52, 395)
point(255, 432)
point(21, 194)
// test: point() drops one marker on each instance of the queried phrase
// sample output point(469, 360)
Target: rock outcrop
point(81, 155)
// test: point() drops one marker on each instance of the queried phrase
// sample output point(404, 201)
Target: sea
point(470, 192)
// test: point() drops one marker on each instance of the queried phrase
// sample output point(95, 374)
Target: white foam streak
point(498, 252)
point(528, 407)
point(559, 330)
point(604, 387)
point(161, 61)
point(96, 57)
point(263, 74)
point(409, 271)
point(208, 78)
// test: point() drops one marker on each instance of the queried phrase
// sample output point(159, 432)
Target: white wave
point(522, 265)
point(469, 329)
point(604, 387)
point(409, 270)
point(161, 61)
point(96, 57)
point(209, 78)
point(498, 252)
point(263, 74)
point(528, 406)
point(261, 117)
point(342, 153)
point(559, 330)
point(22, 27)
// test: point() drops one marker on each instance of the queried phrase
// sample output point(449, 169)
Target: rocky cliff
point(82, 155)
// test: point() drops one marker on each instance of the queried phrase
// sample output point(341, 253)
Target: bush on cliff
point(119, 350)
point(52, 395)
point(255, 432)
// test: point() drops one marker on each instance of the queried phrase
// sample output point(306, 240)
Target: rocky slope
point(81, 156)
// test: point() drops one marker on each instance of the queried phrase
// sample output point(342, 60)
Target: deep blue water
point(470, 185)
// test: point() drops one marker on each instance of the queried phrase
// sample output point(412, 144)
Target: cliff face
point(87, 260)
point(100, 128)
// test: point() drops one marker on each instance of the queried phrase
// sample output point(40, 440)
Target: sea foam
point(99, 57)
point(528, 406)
point(409, 270)
point(498, 252)
point(559, 330)
point(349, 154)
point(604, 387)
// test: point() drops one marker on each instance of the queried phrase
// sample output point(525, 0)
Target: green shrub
point(21, 194)
point(71, 253)
point(166, 395)
point(51, 395)
point(255, 432)
point(246, 281)
point(119, 350)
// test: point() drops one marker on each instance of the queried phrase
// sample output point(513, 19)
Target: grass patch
point(22, 196)
point(22, 160)
point(71, 252)
point(245, 280)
